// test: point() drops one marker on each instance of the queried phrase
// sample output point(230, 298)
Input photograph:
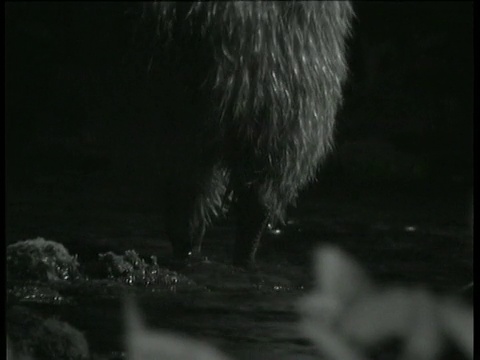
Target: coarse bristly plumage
point(271, 88)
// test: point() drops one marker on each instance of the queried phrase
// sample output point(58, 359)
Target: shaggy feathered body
point(266, 87)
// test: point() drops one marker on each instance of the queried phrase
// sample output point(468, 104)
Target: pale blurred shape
point(457, 321)
point(146, 344)
point(346, 314)
point(12, 356)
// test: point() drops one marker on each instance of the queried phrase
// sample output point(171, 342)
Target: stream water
point(399, 237)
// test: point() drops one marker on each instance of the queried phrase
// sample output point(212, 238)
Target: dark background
point(84, 152)
point(83, 122)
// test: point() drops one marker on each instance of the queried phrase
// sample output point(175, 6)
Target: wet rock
point(33, 293)
point(41, 260)
point(131, 269)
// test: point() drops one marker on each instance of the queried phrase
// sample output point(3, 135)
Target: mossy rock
point(32, 336)
point(40, 260)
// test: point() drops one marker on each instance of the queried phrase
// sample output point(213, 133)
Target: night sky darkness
point(81, 112)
